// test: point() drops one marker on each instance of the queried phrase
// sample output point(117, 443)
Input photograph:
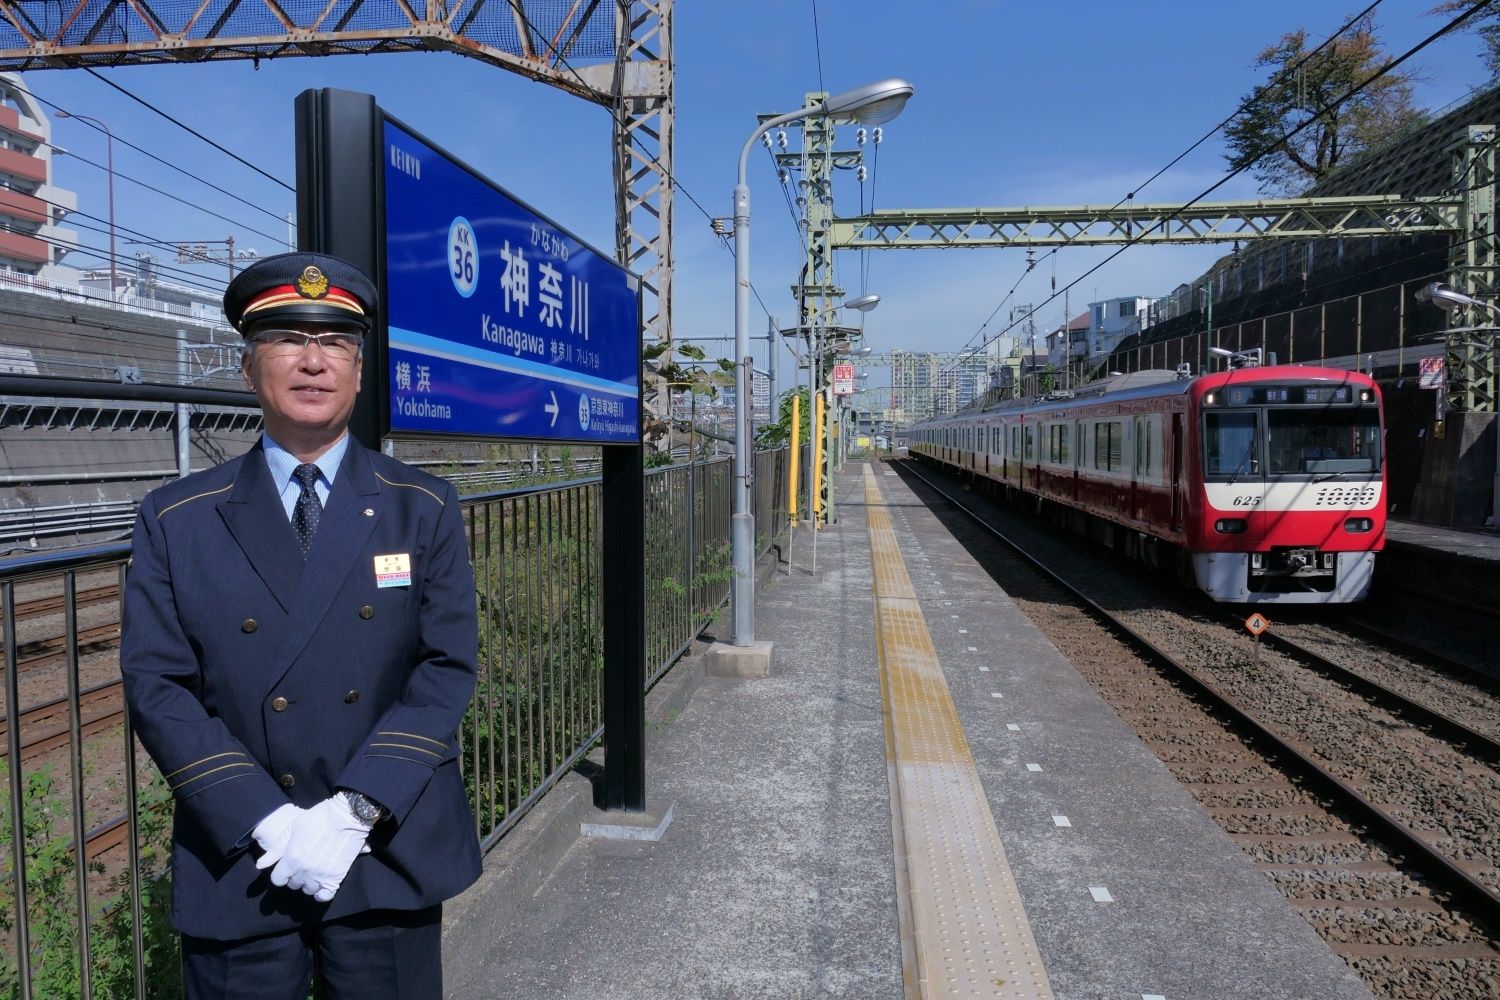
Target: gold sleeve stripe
point(410, 486)
point(205, 760)
point(203, 788)
point(414, 736)
point(213, 770)
point(403, 746)
point(197, 496)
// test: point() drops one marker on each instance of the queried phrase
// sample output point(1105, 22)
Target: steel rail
point(1438, 866)
point(52, 605)
point(1447, 728)
point(1454, 668)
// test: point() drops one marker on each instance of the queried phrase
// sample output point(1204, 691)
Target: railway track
point(1393, 863)
point(45, 727)
point(55, 603)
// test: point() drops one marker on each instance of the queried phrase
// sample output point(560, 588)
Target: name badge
point(393, 570)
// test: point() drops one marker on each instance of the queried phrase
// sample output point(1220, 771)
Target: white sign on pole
point(843, 380)
point(1430, 373)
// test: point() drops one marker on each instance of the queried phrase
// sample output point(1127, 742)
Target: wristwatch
point(365, 809)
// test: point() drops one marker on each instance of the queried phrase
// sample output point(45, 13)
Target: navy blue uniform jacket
point(256, 678)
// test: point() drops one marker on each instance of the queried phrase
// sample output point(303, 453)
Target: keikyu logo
point(584, 410)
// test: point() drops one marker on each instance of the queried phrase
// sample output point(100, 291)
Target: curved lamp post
point(872, 104)
point(109, 167)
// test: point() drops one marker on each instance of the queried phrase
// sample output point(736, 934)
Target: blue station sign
point(501, 324)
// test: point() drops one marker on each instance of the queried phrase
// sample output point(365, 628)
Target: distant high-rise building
point(925, 384)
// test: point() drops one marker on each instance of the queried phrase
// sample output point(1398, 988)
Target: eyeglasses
point(336, 346)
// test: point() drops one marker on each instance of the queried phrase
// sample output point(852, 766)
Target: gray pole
point(184, 416)
point(771, 345)
point(742, 522)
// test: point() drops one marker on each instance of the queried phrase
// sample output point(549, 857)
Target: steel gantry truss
point(1467, 217)
point(1094, 225)
point(616, 53)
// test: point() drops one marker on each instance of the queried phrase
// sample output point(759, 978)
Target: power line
point(1387, 68)
point(147, 153)
point(1243, 105)
point(677, 184)
point(170, 196)
point(818, 45)
point(189, 129)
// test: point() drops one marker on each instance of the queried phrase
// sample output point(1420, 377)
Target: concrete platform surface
point(776, 879)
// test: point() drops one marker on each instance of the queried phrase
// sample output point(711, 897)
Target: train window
point(1015, 442)
point(1030, 442)
point(1059, 442)
point(1322, 441)
point(1231, 443)
point(1109, 445)
point(1145, 447)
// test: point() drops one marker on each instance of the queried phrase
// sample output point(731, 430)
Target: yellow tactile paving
point(971, 935)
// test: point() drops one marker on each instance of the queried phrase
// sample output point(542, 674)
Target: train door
point(1177, 458)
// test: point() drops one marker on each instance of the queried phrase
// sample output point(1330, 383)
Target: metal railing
point(79, 786)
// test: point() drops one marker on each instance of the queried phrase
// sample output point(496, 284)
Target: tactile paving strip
point(972, 938)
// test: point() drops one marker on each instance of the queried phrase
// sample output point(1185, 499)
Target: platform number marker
point(463, 257)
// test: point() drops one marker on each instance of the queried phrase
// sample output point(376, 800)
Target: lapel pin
point(369, 512)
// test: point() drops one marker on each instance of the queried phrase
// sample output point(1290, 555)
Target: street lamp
point(872, 104)
point(109, 166)
point(1450, 299)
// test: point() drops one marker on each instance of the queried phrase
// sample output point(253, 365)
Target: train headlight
point(1209, 399)
point(1230, 525)
point(1357, 525)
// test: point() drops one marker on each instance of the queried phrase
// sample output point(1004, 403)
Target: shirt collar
point(283, 463)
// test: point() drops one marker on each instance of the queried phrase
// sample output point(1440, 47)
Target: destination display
point(501, 324)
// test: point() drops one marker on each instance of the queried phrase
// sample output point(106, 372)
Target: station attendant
point(299, 648)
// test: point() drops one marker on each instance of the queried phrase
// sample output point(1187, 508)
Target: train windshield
point(1323, 441)
point(1231, 442)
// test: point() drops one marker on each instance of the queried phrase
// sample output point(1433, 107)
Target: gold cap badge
point(312, 283)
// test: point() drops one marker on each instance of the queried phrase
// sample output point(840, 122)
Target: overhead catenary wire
point(152, 156)
point(1382, 71)
point(672, 178)
point(170, 196)
point(189, 129)
point(188, 278)
point(1240, 109)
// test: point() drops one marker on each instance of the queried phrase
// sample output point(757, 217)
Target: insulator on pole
point(859, 173)
point(781, 138)
point(879, 134)
point(859, 136)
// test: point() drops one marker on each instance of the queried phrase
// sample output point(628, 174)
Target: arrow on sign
point(551, 408)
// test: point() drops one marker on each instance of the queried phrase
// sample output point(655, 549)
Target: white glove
point(324, 842)
point(274, 832)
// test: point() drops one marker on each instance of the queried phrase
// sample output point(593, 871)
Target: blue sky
point(1016, 103)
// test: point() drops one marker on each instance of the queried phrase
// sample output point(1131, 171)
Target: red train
point(1259, 484)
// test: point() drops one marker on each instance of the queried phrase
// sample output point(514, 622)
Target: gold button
point(287, 781)
point(367, 612)
point(351, 697)
point(278, 705)
point(249, 625)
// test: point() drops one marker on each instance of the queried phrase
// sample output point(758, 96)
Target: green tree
point(1486, 25)
point(1258, 135)
point(779, 431)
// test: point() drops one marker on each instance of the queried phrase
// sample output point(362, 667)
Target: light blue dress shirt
point(283, 463)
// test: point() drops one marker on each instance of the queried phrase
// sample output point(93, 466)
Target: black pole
point(623, 558)
point(338, 213)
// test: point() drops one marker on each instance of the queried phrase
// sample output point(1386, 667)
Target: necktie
point(309, 508)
